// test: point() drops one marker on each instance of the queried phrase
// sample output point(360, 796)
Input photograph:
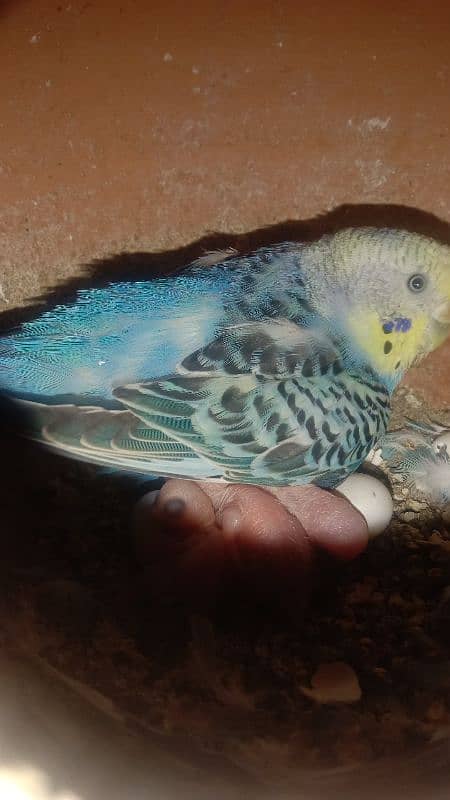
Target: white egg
point(371, 498)
point(441, 441)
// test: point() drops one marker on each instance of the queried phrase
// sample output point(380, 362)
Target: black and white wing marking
point(263, 403)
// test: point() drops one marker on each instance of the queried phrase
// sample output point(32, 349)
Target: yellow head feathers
point(391, 291)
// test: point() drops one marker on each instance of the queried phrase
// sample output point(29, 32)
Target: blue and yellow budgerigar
point(271, 368)
point(418, 457)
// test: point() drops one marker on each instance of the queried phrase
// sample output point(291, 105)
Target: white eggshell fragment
point(335, 682)
point(442, 441)
point(371, 498)
point(375, 457)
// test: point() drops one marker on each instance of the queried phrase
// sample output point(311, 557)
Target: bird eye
point(416, 283)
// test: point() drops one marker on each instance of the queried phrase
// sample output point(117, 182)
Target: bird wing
point(111, 438)
point(263, 402)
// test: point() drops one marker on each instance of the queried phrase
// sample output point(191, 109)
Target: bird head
point(391, 292)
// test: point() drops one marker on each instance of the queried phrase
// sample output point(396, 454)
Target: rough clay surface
point(77, 612)
point(146, 126)
point(214, 122)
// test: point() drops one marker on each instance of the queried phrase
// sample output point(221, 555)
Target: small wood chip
point(335, 682)
point(437, 540)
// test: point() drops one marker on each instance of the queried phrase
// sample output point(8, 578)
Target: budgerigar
point(418, 456)
point(273, 368)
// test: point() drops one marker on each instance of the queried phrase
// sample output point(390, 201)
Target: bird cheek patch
point(390, 344)
point(397, 325)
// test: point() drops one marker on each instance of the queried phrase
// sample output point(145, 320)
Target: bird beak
point(442, 313)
